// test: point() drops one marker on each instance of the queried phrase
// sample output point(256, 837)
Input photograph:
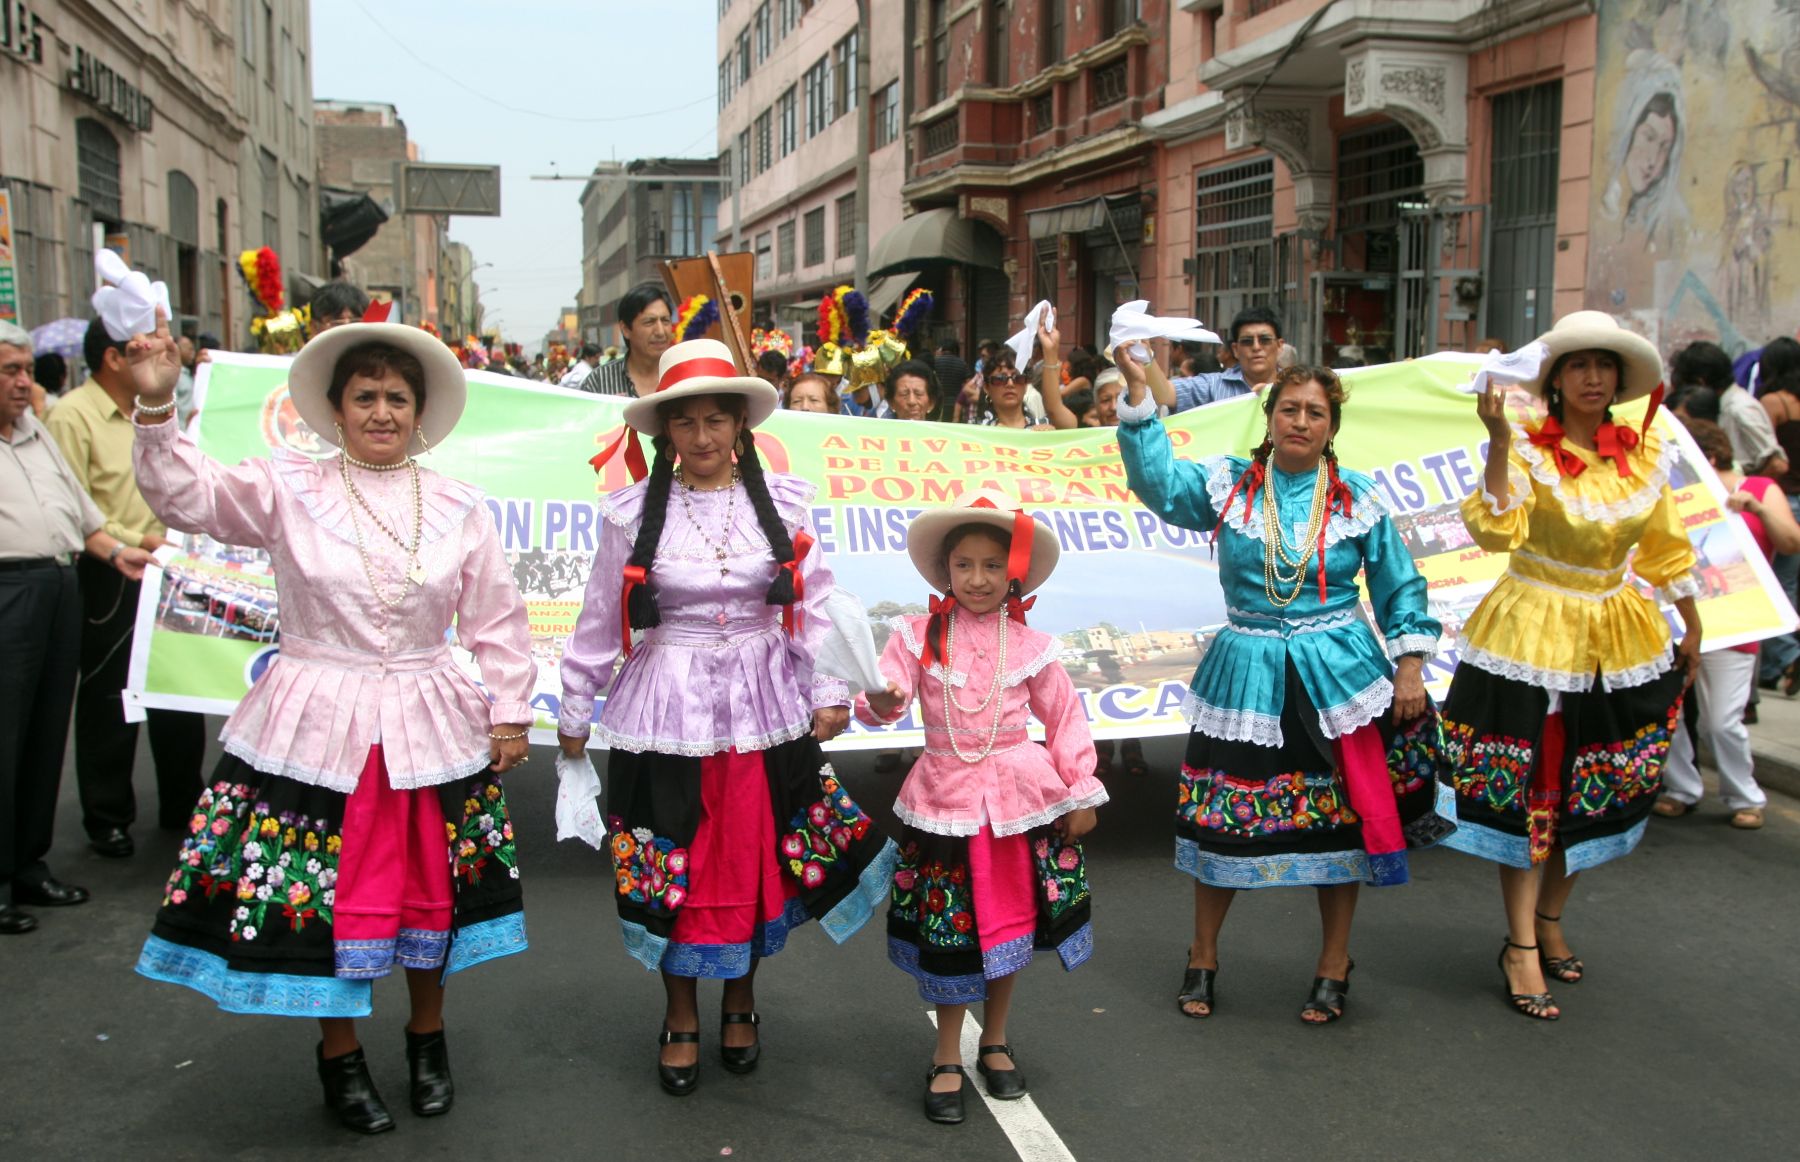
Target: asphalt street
point(1679, 1044)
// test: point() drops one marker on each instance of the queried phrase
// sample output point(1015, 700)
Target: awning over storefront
point(884, 292)
point(1071, 218)
point(935, 236)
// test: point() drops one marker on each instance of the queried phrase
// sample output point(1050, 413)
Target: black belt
point(34, 563)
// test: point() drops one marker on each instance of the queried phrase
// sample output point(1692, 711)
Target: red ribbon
point(934, 629)
point(1613, 441)
point(1550, 438)
point(694, 368)
point(1338, 498)
point(1656, 398)
point(790, 613)
point(1018, 556)
point(634, 453)
point(635, 575)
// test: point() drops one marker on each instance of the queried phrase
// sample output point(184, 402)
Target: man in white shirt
point(1746, 424)
point(583, 367)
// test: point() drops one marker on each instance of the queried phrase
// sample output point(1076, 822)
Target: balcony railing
point(1111, 83)
point(941, 136)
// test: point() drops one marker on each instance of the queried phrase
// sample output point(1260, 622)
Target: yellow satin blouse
point(1566, 609)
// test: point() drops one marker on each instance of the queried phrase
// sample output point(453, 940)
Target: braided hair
point(642, 607)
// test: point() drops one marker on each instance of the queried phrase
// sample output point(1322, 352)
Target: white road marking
point(1029, 1131)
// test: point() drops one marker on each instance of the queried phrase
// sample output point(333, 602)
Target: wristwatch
point(113, 557)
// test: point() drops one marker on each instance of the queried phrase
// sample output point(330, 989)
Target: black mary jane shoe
point(1328, 997)
point(428, 1058)
point(946, 1109)
point(736, 1059)
point(678, 1080)
point(1002, 1084)
point(1196, 989)
point(350, 1092)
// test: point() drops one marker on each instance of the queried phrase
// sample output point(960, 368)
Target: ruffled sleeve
point(1066, 734)
point(1174, 489)
point(1397, 593)
point(593, 649)
point(1500, 524)
point(491, 621)
point(192, 493)
point(1665, 557)
point(901, 667)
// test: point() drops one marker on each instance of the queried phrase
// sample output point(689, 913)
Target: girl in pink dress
point(990, 864)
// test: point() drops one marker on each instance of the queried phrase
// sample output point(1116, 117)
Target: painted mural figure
point(1646, 219)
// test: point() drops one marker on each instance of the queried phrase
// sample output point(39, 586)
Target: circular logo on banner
point(259, 662)
point(282, 426)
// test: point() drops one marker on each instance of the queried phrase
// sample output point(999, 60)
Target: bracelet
point(508, 737)
point(118, 547)
point(143, 409)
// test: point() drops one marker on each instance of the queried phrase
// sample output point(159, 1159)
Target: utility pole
point(861, 278)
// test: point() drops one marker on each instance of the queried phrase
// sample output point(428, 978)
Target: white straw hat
point(700, 367)
point(1640, 367)
point(925, 537)
point(446, 389)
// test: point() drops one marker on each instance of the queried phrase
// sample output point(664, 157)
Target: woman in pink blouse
point(728, 826)
point(357, 820)
point(991, 864)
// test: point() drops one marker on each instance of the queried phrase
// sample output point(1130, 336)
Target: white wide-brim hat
point(1640, 367)
point(446, 389)
point(925, 537)
point(700, 367)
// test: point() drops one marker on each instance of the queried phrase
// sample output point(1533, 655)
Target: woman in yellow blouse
point(1565, 698)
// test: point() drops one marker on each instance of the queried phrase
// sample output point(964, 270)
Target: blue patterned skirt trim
point(266, 993)
point(1514, 850)
point(1001, 961)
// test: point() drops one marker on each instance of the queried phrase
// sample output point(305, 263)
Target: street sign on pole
point(9, 270)
point(426, 188)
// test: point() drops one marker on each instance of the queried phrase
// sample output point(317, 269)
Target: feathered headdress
point(915, 308)
point(262, 271)
point(831, 320)
point(696, 316)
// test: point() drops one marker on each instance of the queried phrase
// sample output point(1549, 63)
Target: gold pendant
point(416, 574)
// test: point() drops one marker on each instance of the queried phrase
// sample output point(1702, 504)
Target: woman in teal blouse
point(1313, 759)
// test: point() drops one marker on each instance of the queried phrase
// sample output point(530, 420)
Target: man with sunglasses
point(1256, 341)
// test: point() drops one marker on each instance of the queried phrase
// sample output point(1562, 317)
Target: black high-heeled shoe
point(350, 1092)
point(428, 1059)
point(1196, 989)
point(678, 1080)
point(1002, 1084)
point(944, 1108)
point(1567, 969)
point(1534, 1005)
point(739, 1060)
point(1328, 997)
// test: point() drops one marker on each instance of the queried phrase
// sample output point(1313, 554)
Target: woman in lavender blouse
point(728, 826)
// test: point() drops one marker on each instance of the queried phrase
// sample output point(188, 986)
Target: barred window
point(1234, 247)
point(846, 224)
point(784, 248)
point(815, 236)
point(764, 140)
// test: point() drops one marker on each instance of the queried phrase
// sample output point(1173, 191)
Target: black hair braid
point(642, 610)
point(781, 590)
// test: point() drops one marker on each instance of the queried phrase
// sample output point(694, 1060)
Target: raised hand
point(1490, 405)
point(155, 362)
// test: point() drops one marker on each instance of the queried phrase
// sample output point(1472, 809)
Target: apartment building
point(635, 216)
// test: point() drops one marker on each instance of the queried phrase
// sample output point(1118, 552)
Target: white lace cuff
point(1517, 486)
point(1137, 414)
point(1411, 643)
point(1686, 585)
point(828, 692)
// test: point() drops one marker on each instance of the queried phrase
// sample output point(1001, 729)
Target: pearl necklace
point(720, 548)
point(368, 467)
point(415, 574)
point(1275, 550)
point(993, 697)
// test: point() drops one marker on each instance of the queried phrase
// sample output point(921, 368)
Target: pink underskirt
point(1004, 885)
point(394, 873)
point(737, 882)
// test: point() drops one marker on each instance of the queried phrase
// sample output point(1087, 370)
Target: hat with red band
point(700, 367)
point(1030, 562)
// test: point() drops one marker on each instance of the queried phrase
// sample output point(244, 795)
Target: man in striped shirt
point(646, 329)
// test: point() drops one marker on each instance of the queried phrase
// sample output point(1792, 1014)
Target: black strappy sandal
point(1196, 989)
point(1328, 997)
point(1567, 969)
point(1537, 1006)
point(739, 1059)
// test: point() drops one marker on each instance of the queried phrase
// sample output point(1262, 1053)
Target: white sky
point(616, 79)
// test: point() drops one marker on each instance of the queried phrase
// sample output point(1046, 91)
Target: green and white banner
point(1134, 600)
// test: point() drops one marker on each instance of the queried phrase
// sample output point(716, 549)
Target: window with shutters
point(846, 226)
point(97, 168)
point(818, 97)
point(764, 256)
point(784, 248)
point(764, 140)
point(843, 75)
point(787, 114)
point(815, 236)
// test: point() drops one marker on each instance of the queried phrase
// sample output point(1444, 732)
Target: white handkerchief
point(849, 649)
point(577, 811)
point(1132, 322)
point(126, 301)
point(1509, 367)
point(1021, 343)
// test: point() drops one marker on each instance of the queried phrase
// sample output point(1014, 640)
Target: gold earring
point(424, 445)
point(340, 433)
